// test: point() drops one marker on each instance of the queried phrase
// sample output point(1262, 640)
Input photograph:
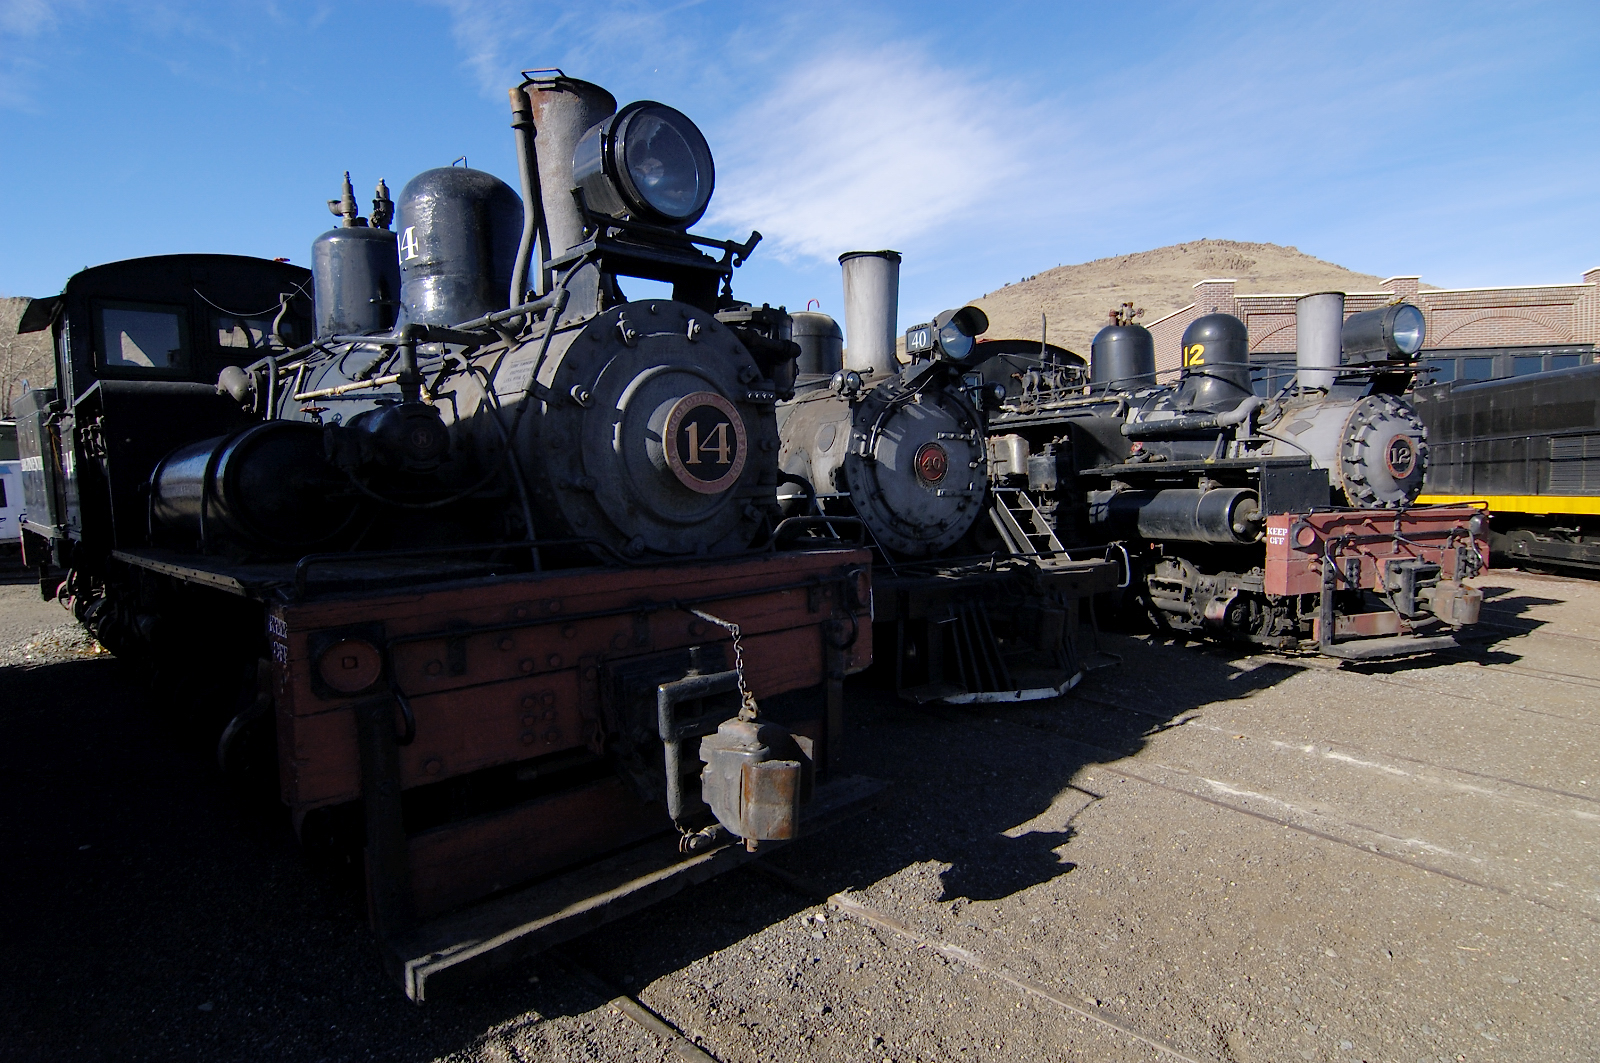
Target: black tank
point(1122, 358)
point(459, 230)
point(1216, 361)
point(356, 280)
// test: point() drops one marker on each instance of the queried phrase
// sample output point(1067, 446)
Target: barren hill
point(1077, 298)
point(21, 357)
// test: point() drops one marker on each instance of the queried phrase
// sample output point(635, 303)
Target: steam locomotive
point(903, 451)
point(470, 543)
point(1284, 520)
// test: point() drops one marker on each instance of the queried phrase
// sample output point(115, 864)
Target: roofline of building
point(1175, 313)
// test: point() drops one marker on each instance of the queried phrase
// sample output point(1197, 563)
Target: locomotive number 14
point(718, 444)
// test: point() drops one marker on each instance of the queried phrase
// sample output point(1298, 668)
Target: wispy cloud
point(867, 149)
point(497, 38)
point(22, 23)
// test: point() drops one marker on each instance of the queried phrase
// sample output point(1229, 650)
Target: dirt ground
point(1198, 855)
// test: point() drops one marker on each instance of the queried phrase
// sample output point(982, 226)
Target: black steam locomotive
point(903, 451)
point(1283, 520)
point(1528, 447)
point(469, 543)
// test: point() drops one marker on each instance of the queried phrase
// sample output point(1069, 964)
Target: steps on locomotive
point(990, 632)
point(1022, 526)
point(456, 949)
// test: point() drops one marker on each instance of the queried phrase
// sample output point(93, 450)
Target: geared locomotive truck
point(481, 560)
point(1286, 520)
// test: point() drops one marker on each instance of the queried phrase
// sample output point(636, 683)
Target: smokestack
point(1318, 322)
point(563, 110)
point(871, 310)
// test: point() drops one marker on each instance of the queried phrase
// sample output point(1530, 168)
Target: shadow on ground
point(151, 916)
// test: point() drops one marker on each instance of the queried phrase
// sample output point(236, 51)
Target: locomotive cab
point(139, 347)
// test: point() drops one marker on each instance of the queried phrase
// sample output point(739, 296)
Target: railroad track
point(1192, 717)
point(1359, 837)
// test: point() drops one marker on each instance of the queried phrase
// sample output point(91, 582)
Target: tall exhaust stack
point(871, 310)
point(1318, 323)
point(563, 109)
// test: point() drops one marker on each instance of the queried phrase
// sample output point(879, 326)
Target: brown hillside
point(21, 357)
point(1077, 298)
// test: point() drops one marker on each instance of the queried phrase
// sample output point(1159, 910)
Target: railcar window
point(140, 337)
point(1443, 371)
point(1565, 361)
point(3, 503)
point(1528, 363)
point(1477, 368)
point(8, 442)
point(250, 332)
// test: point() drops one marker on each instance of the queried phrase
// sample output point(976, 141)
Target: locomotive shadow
point(139, 883)
point(1504, 618)
point(982, 805)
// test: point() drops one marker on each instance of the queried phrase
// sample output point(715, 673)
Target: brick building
point(1472, 333)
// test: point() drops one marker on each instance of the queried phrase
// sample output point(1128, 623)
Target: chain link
point(747, 701)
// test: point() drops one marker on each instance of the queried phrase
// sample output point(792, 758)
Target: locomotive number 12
point(1194, 354)
point(718, 444)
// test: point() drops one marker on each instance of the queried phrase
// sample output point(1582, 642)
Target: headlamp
point(1377, 335)
point(648, 162)
point(950, 336)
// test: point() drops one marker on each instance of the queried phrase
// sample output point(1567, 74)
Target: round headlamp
point(1388, 332)
point(958, 331)
point(647, 161)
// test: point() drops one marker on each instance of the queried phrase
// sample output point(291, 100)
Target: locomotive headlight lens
point(953, 332)
point(1406, 329)
point(955, 343)
point(647, 161)
point(1381, 334)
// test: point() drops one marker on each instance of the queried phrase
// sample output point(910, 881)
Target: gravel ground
point(1198, 855)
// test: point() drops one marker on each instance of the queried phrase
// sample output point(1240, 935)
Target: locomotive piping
point(533, 230)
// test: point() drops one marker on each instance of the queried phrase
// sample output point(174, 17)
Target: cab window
point(139, 336)
point(253, 333)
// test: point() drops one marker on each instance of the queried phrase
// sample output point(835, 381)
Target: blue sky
point(985, 141)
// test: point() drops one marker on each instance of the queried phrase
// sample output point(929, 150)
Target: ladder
point(1023, 528)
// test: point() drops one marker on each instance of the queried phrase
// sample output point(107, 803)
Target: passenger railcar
point(11, 508)
point(486, 556)
point(1528, 447)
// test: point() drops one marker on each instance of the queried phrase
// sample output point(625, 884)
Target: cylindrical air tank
point(821, 343)
point(871, 310)
point(356, 281)
point(1318, 322)
point(1122, 358)
point(1216, 360)
point(458, 236)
